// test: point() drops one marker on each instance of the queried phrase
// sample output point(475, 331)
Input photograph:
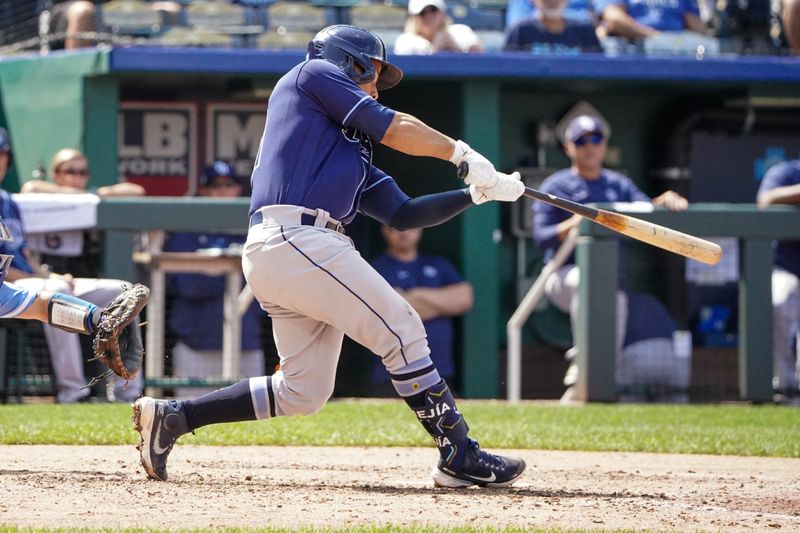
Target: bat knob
point(463, 170)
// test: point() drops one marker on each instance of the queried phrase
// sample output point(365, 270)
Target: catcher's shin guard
point(441, 419)
point(72, 314)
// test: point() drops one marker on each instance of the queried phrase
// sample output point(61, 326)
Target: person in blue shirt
point(781, 185)
point(640, 19)
point(586, 181)
point(550, 32)
point(433, 287)
point(313, 173)
point(197, 299)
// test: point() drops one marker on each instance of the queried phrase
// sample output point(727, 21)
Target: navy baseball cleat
point(480, 468)
point(159, 423)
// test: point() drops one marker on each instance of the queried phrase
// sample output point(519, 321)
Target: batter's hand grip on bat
point(462, 170)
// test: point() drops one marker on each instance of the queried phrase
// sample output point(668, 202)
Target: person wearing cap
point(28, 273)
point(197, 299)
point(549, 31)
point(429, 30)
point(585, 181)
point(70, 171)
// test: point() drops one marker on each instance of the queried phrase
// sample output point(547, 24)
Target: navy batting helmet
point(346, 46)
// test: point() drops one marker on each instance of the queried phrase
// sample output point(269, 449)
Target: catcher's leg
point(64, 347)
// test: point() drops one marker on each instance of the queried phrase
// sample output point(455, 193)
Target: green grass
point(703, 429)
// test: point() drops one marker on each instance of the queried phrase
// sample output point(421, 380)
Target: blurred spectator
point(74, 17)
point(585, 143)
point(29, 274)
point(637, 19)
point(549, 32)
point(429, 30)
point(578, 10)
point(197, 305)
point(70, 170)
point(790, 21)
point(433, 287)
point(781, 185)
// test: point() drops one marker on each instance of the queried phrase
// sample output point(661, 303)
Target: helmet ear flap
point(367, 66)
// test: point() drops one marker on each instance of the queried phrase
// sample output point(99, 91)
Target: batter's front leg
point(309, 353)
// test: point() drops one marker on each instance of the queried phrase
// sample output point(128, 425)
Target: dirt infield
point(291, 487)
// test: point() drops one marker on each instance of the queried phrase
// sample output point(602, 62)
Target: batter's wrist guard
point(72, 314)
point(443, 422)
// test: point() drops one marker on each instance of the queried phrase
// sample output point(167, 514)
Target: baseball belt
point(306, 219)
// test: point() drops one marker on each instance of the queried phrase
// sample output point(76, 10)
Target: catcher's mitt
point(118, 342)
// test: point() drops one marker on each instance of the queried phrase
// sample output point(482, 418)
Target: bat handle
point(463, 170)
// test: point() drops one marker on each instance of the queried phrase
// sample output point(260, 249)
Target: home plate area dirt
point(331, 487)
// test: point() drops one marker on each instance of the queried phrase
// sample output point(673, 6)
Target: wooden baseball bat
point(654, 234)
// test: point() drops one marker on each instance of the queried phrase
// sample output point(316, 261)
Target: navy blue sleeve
point(431, 209)
point(343, 100)
point(381, 197)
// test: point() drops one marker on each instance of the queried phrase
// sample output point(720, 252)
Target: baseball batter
point(313, 173)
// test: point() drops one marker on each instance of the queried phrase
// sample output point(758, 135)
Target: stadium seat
point(298, 16)
point(682, 43)
point(200, 37)
point(223, 17)
point(492, 40)
point(477, 19)
point(378, 16)
point(286, 40)
point(489, 4)
point(129, 17)
point(386, 21)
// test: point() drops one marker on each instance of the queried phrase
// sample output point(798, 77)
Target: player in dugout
point(313, 173)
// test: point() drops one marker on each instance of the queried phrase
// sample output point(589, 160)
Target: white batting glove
point(508, 188)
point(477, 195)
point(481, 171)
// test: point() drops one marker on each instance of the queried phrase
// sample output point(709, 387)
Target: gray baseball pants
point(317, 288)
